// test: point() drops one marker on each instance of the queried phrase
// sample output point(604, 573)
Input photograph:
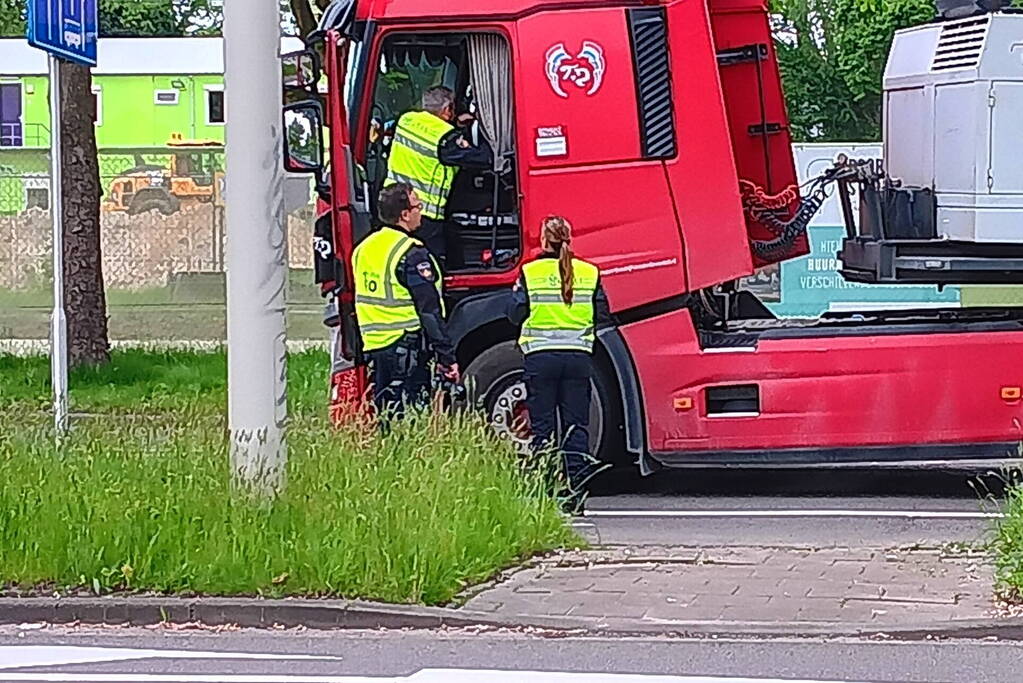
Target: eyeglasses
point(416, 207)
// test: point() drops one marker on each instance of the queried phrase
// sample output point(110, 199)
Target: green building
point(148, 91)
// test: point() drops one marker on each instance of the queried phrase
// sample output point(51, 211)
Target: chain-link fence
point(162, 239)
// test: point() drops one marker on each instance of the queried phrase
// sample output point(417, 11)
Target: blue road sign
point(66, 28)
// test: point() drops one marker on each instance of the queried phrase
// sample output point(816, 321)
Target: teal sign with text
point(812, 285)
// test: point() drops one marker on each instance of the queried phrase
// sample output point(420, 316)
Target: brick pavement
point(792, 585)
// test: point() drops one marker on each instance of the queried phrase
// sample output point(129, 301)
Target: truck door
point(347, 208)
point(757, 119)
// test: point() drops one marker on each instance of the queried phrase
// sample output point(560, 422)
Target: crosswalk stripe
point(425, 676)
point(30, 657)
point(21, 656)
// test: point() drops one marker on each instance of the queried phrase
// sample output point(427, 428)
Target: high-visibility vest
point(383, 306)
point(552, 324)
point(414, 160)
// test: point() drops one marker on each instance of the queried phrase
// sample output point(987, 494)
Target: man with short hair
point(399, 305)
point(414, 160)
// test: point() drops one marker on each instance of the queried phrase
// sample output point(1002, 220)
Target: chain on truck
point(659, 128)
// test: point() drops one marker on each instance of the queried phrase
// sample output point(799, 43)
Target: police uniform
point(558, 341)
point(400, 312)
point(414, 159)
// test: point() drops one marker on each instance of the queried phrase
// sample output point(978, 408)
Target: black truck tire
point(495, 385)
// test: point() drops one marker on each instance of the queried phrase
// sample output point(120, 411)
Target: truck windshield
point(406, 72)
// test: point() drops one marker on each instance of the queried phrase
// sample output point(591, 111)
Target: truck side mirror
point(300, 71)
point(303, 138)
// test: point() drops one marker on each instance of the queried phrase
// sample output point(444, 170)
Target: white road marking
point(185, 678)
point(424, 676)
point(466, 675)
point(20, 656)
point(898, 514)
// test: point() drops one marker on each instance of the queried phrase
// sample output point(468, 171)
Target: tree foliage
point(150, 18)
point(12, 17)
point(832, 55)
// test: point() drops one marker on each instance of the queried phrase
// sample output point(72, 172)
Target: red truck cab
point(658, 127)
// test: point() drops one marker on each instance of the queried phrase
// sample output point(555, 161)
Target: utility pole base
point(258, 461)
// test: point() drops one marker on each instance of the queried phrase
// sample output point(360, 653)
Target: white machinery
point(953, 109)
point(948, 205)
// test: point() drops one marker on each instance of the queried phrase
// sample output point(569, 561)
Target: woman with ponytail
point(559, 302)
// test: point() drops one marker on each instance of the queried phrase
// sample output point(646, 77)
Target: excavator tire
point(165, 204)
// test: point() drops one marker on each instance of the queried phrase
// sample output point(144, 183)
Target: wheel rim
point(508, 414)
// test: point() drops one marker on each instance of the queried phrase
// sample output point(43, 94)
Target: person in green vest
point(415, 160)
point(559, 302)
point(399, 306)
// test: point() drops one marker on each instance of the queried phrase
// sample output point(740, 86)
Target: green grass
point(1008, 545)
point(190, 307)
point(184, 289)
point(141, 382)
point(172, 321)
point(146, 504)
point(988, 295)
point(42, 297)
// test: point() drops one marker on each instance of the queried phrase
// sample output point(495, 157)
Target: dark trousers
point(558, 382)
point(401, 378)
point(431, 233)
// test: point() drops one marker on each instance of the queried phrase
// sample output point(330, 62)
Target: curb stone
point(343, 614)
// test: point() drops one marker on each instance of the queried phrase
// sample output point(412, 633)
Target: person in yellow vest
point(399, 305)
point(415, 160)
point(559, 301)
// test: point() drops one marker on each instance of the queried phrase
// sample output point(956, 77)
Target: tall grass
point(1008, 544)
point(146, 504)
point(142, 382)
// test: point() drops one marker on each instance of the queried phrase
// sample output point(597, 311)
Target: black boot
point(581, 468)
point(573, 504)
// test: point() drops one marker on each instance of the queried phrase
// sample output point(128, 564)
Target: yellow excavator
point(195, 175)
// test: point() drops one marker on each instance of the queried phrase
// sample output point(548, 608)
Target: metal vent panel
point(960, 44)
point(649, 34)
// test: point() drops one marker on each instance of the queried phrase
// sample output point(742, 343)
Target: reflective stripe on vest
point(552, 324)
point(413, 160)
point(383, 306)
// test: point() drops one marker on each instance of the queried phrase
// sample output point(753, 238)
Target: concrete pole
point(58, 319)
point(256, 245)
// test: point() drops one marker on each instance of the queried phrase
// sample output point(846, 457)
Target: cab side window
point(473, 199)
point(409, 66)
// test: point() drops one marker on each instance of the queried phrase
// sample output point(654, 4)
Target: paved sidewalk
point(751, 585)
point(905, 593)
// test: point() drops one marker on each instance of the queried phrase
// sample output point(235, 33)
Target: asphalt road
point(290, 657)
point(794, 507)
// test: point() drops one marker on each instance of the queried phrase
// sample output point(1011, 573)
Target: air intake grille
point(653, 81)
point(960, 44)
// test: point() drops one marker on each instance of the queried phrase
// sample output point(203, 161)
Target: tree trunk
point(305, 19)
point(84, 297)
